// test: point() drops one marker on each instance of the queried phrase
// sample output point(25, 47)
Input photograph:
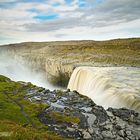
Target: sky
point(51, 20)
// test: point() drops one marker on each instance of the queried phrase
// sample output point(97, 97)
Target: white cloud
point(109, 19)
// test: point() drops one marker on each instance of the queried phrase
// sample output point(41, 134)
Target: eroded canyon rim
point(58, 59)
point(55, 61)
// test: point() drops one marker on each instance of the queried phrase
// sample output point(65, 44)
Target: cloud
point(61, 17)
point(106, 14)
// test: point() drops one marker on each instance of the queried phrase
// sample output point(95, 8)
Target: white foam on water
point(108, 86)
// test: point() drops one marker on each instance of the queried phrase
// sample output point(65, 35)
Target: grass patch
point(61, 117)
point(15, 131)
point(14, 125)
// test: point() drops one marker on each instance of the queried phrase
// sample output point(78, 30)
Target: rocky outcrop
point(58, 71)
point(75, 116)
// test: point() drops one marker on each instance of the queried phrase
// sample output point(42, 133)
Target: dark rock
point(100, 113)
point(75, 116)
point(46, 91)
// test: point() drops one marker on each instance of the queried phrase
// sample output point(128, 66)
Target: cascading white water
point(108, 86)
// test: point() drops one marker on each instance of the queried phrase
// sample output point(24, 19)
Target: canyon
point(57, 60)
point(115, 73)
point(75, 89)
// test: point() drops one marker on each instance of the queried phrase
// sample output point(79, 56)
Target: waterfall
point(108, 86)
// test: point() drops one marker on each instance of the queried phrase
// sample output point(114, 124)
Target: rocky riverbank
point(65, 113)
point(74, 116)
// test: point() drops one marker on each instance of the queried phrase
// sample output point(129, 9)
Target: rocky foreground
point(74, 116)
point(67, 114)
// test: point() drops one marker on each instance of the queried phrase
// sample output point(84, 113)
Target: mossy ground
point(13, 124)
point(9, 130)
point(61, 117)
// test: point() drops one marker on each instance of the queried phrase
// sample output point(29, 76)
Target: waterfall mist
point(18, 71)
point(108, 86)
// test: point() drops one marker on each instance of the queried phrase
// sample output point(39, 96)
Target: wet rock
point(123, 113)
point(108, 134)
point(46, 91)
point(121, 133)
point(100, 113)
point(86, 135)
point(75, 116)
point(90, 130)
point(70, 129)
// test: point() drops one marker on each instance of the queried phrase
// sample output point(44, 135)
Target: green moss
point(33, 109)
point(40, 89)
point(61, 117)
point(9, 110)
point(18, 132)
point(29, 84)
point(59, 93)
point(4, 79)
point(53, 100)
point(14, 125)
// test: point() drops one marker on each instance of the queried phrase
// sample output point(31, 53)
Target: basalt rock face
point(58, 71)
point(75, 116)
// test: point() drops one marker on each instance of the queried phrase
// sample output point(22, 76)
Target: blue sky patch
point(68, 1)
point(82, 3)
point(46, 17)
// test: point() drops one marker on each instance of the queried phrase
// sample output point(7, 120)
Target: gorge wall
point(58, 59)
